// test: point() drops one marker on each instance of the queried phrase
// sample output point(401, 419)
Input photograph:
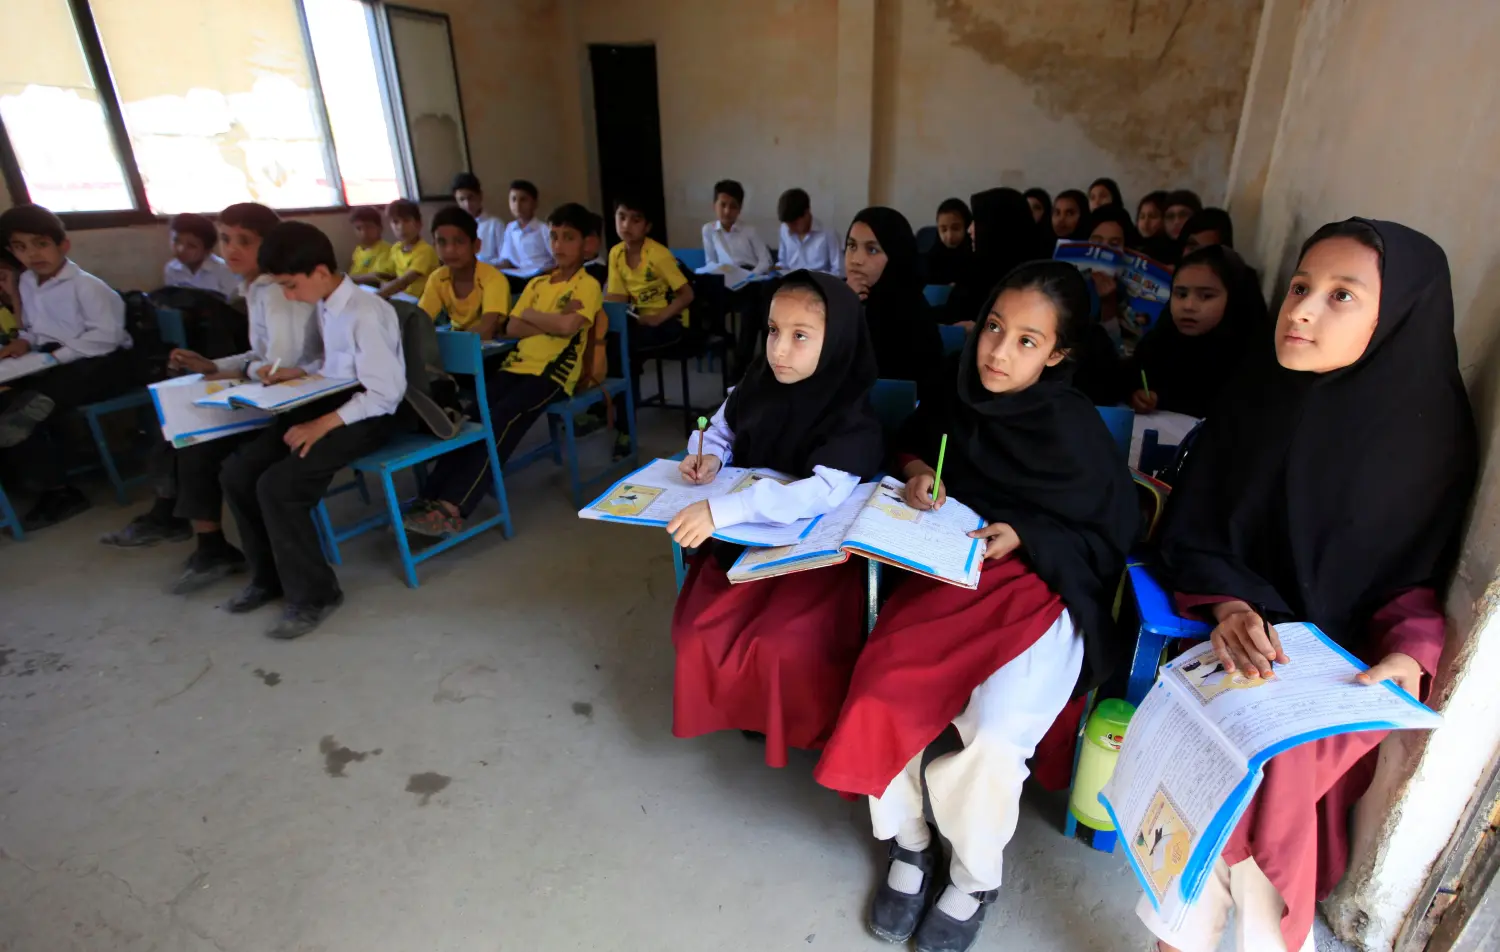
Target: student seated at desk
point(193, 263)
point(805, 243)
point(274, 481)
point(526, 248)
point(475, 295)
point(412, 259)
point(371, 262)
point(469, 195)
point(552, 319)
point(80, 321)
point(594, 261)
point(727, 240)
point(10, 276)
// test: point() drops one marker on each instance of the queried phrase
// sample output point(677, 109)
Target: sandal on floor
point(433, 522)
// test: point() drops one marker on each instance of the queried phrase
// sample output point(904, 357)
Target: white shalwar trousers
point(1257, 913)
point(976, 792)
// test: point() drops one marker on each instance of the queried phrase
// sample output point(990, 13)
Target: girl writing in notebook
point(1031, 455)
point(773, 656)
point(1329, 486)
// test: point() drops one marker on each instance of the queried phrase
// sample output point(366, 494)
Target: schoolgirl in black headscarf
point(1104, 191)
point(1100, 349)
point(1004, 236)
point(949, 259)
point(1041, 206)
point(880, 264)
point(1070, 215)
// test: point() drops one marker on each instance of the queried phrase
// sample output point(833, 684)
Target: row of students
point(804, 241)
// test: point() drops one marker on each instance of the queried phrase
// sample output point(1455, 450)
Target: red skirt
point(773, 655)
point(933, 645)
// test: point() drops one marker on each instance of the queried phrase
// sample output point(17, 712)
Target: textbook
point(276, 397)
point(735, 277)
point(1147, 282)
point(656, 492)
point(13, 368)
point(876, 522)
point(1195, 750)
point(184, 421)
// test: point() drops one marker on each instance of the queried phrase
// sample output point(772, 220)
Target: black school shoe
point(206, 566)
point(893, 914)
point(299, 620)
point(940, 932)
point(250, 598)
point(147, 530)
point(54, 506)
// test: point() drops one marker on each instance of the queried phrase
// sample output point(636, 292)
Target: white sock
point(904, 877)
point(959, 905)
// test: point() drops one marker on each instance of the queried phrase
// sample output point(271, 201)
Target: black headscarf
point(1081, 233)
point(1322, 496)
point(1210, 219)
point(1043, 461)
point(825, 420)
point(902, 330)
point(1005, 235)
point(1113, 213)
point(1188, 373)
point(1114, 190)
point(1041, 195)
point(944, 265)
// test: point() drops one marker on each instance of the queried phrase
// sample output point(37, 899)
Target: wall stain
point(336, 756)
point(583, 709)
point(426, 784)
point(271, 678)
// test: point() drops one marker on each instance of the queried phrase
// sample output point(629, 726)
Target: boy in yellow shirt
point(412, 259)
point(10, 273)
point(475, 295)
point(371, 262)
point(552, 318)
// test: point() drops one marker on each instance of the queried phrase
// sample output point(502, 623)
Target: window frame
point(378, 20)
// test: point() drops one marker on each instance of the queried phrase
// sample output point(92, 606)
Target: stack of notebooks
point(192, 410)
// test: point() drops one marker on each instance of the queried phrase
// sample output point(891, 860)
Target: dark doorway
point(628, 126)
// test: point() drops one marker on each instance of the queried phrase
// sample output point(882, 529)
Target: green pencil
point(1144, 385)
point(937, 477)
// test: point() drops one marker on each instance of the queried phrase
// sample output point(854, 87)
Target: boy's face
point(367, 233)
point(41, 255)
point(406, 230)
point(469, 200)
point(951, 230)
point(188, 249)
point(567, 246)
point(455, 249)
point(631, 226)
point(591, 243)
point(522, 205)
point(240, 247)
point(800, 226)
point(727, 209)
point(309, 288)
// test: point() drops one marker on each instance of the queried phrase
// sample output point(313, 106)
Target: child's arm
point(531, 322)
point(680, 301)
point(103, 324)
point(380, 371)
point(371, 278)
point(614, 286)
point(494, 306)
point(710, 254)
point(718, 450)
point(762, 253)
point(508, 250)
point(397, 285)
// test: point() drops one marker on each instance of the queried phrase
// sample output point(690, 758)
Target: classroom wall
point(1387, 111)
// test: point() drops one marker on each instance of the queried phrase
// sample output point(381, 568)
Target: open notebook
point(13, 368)
point(278, 397)
point(876, 522)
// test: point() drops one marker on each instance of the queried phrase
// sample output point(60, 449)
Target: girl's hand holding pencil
point(700, 470)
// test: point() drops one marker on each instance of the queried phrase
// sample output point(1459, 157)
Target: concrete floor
point(484, 763)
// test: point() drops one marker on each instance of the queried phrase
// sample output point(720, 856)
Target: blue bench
point(953, 338)
point(694, 258)
point(937, 294)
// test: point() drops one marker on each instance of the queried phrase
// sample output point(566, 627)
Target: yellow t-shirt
point(422, 258)
point(8, 322)
point(647, 285)
point(375, 259)
point(491, 295)
point(560, 358)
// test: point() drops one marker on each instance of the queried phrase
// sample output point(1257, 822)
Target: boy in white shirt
point(468, 195)
point(193, 263)
point(728, 241)
point(526, 249)
point(274, 482)
point(805, 243)
point(79, 321)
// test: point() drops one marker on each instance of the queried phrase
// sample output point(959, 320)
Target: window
point(137, 108)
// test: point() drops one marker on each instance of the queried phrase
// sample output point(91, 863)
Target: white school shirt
point(491, 239)
point(769, 501)
point(280, 330)
point(362, 339)
point(74, 309)
point(818, 250)
point(739, 246)
point(212, 275)
point(529, 248)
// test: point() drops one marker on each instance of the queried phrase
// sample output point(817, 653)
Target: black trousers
point(645, 344)
point(272, 492)
point(69, 386)
point(462, 477)
point(196, 469)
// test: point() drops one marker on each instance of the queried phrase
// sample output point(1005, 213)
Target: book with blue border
point(185, 422)
point(1195, 751)
point(276, 397)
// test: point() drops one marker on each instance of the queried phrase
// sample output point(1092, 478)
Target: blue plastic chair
point(1121, 423)
point(937, 294)
point(694, 258)
point(8, 518)
point(461, 354)
point(953, 338)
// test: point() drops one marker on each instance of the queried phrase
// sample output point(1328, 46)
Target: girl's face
point(1065, 215)
point(1018, 341)
point(1174, 218)
point(1148, 219)
point(1201, 239)
point(1038, 210)
point(1100, 195)
point(1331, 308)
point(794, 334)
point(951, 229)
point(1108, 233)
point(864, 259)
point(1198, 300)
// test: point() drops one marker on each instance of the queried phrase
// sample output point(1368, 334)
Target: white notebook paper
point(276, 397)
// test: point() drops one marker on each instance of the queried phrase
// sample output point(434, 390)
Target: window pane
point(52, 112)
point(429, 96)
point(218, 101)
point(351, 91)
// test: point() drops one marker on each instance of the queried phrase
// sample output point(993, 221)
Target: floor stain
point(583, 709)
point(5, 654)
point(31, 663)
point(426, 784)
point(271, 678)
point(465, 681)
point(336, 757)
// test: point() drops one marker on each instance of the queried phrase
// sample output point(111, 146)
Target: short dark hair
point(1211, 219)
point(251, 216)
point(633, 203)
point(521, 185)
point(597, 224)
point(1184, 196)
point(1063, 284)
point(189, 223)
point(366, 215)
point(959, 207)
point(9, 260)
point(31, 220)
point(572, 215)
point(467, 181)
point(403, 209)
point(731, 188)
point(1362, 232)
point(456, 217)
point(792, 205)
point(295, 247)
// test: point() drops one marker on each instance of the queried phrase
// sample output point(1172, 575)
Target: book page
point(1315, 695)
point(277, 396)
point(1171, 429)
point(14, 368)
point(822, 540)
point(185, 422)
point(935, 542)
